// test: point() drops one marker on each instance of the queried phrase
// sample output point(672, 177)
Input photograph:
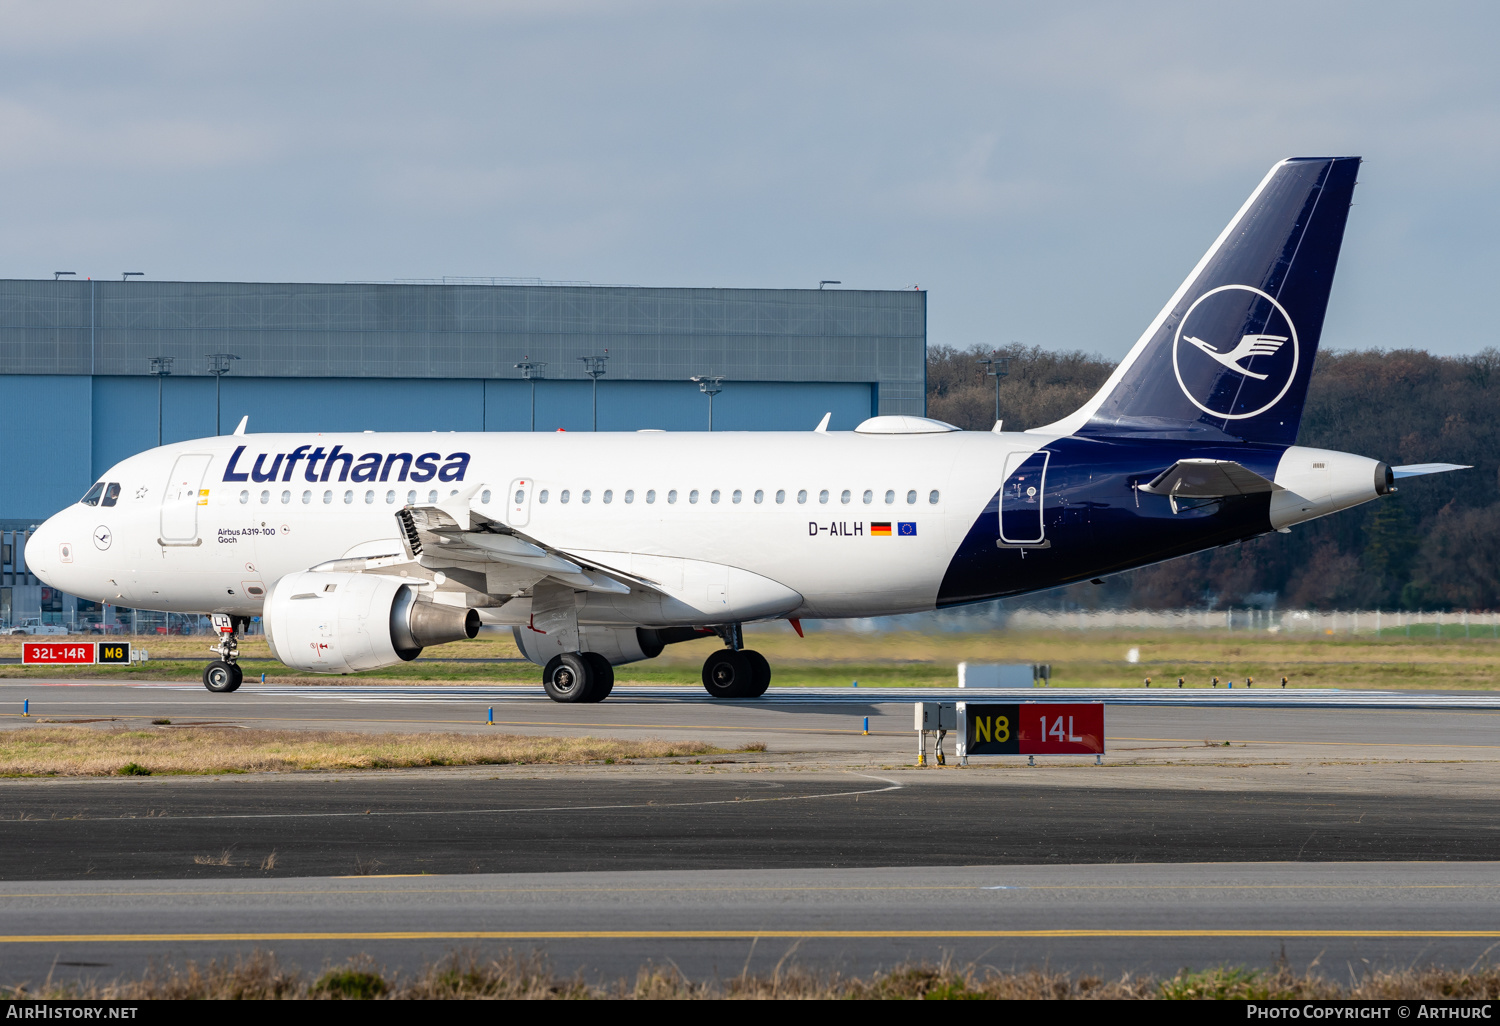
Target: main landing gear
point(578, 677)
point(736, 671)
point(224, 673)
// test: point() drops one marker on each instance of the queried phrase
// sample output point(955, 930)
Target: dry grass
point(465, 975)
point(81, 751)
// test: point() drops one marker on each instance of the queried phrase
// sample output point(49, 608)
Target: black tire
point(568, 678)
point(604, 677)
point(221, 677)
point(760, 672)
point(728, 674)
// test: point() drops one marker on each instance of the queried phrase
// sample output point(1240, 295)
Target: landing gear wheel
point(604, 677)
point(728, 674)
point(760, 672)
point(568, 678)
point(221, 677)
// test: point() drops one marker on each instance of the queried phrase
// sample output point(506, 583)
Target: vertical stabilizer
point(1230, 355)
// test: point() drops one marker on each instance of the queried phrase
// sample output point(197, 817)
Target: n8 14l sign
point(1031, 728)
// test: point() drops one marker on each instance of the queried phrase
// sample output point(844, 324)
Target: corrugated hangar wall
point(75, 362)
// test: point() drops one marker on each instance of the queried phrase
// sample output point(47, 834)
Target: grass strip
point(81, 751)
point(465, 974)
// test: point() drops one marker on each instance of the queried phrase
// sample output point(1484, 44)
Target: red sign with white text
point(1061, 728)
point(58, 652)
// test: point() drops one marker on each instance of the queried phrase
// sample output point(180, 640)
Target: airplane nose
point(45, 551)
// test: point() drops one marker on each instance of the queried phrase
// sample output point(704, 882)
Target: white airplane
point(358, 550)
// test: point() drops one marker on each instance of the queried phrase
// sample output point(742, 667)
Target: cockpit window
point(111, 494)
point(92, 498)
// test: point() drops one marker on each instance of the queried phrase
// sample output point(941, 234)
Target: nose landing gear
point(224, 674)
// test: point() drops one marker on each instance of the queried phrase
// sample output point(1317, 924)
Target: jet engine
point(342, 623)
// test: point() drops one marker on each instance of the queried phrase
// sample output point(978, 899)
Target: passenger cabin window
point(411, 497)
point(911, 498)
point(91, 498)
point(672, 496)
point(823, 495)
point(650, 496)
point(587, 495)
point(541, 496)
point(737, 496)
point(609, 495)
point(844, 497)
point(693, 495)
point(111, 495)
point(780, 496)
point(869, 496)
point(348, 496)
point(713, 496)
point(932, 497)
point(369, 497)
point(802, 496)
point(265, 497)
point(244, 497)
point(520, 496)
point(629, 495)
point(327, 497)
point(390, 498)
point(432, 495)
point(306, 498)
point(484, 496)
point(286, 497)
point(890, 496)
point(563, 496)
point(760, 496)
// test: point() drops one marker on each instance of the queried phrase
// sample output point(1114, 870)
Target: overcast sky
point(1049, 172)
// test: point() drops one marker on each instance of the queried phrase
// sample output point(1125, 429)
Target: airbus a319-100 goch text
point(359, 549)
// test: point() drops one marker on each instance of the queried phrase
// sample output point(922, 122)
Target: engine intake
point(325, 622)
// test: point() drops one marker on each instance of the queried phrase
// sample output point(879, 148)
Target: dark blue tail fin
point(1230, 355)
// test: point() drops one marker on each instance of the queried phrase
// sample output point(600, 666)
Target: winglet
point(822, 427)
point(243, 421)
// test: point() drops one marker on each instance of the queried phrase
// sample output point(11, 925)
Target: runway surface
point(1106, 919)
point(1379, 821)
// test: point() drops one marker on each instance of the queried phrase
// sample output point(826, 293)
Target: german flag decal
point(880, 530)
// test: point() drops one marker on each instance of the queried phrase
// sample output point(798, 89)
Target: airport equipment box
point(1002, 675)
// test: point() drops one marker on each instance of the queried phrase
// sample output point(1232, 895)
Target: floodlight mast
point(161, 366)
point(593, 366)
point(997, 367)
point(531, 370)
point(710, 385)
point(218, 366)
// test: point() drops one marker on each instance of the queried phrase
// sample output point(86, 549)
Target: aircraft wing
point(1209, 479)
point(1422, 469)
point(441, 536)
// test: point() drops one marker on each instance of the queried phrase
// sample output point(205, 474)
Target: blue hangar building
point(90, 369)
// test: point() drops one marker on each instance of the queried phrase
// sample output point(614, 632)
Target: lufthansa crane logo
point(1236, 352)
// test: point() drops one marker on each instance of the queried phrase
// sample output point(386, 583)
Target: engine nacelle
point(617, 644)
point(343, 623)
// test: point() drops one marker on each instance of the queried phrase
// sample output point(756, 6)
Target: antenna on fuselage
point(243, 421)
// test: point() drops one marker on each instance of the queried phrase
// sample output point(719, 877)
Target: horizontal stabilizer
point(1422, 469)
point(1209, 479)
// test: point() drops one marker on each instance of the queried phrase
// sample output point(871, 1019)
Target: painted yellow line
point(537, 935)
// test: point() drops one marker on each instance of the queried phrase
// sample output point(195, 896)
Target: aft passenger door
point(180, 501)
point(1021, 498)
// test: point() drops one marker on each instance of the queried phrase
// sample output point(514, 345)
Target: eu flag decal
point(906, 529)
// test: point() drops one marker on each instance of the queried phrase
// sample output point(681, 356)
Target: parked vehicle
point(34, 625)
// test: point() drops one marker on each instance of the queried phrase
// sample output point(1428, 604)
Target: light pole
point(218, 366)
point(710, 385)
point(127, 275)
point(161, 366)
point(58, 274)
point(593, 366)
point(827, 281)
point(997, 367)
point(531, 371)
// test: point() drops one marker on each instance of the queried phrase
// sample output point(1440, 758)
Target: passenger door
point(179, 503)
point(1021, 498)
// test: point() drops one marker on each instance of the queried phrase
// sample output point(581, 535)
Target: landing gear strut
point(224, 674)
point(736, 671)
